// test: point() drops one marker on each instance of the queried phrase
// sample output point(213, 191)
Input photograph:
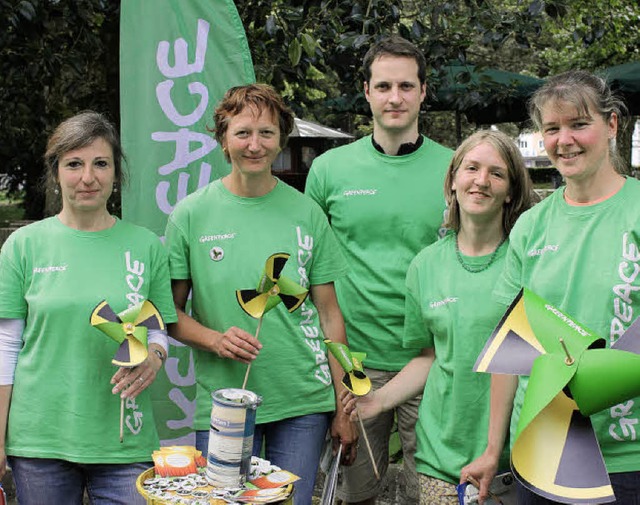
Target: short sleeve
point(177, 245)
point(510, 281)
point(329, 263)
point(160, 291)
point(314, 187)
point(416, 334)
point(13, 304)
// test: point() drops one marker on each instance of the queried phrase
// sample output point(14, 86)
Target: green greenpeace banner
point(177, 58)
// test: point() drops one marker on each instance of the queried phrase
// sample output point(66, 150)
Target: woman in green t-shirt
point(449, 313)
point(578, 249)
point(63, 403)
point(218, 240)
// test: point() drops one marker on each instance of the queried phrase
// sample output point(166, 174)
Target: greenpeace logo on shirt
point(542, 250)
point(360, 192)
point(624, 416)
point(440, 303)
point(52, 268)
point(221, 236)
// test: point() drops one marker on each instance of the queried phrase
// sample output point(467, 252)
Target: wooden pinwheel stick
point(568, 360)
point(121, 420)
point(246, 375)
point(366, 441)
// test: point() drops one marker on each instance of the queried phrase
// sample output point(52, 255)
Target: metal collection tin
point(233, 420)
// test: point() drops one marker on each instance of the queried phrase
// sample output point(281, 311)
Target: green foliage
point(10, 212)
point(61, 56)
point(311, 51)
point(11, 208)
point(592, 35)
point(56, 57)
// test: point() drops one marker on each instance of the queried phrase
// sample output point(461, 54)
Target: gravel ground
point(391, 494)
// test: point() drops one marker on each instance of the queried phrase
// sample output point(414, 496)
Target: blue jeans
point(47, 481)
point(626, 487)
point(293, 444)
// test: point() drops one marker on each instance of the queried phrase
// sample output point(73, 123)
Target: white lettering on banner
point(134, 280)
point(309, 329)
point(173, 370)
point(176, 395)
point(163, 92)
point(183, 137)
point(623, 418)
point(182, 67)
point(162, 190)
point(187, 406)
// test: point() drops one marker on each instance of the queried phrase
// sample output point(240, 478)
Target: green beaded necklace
point(481, 268)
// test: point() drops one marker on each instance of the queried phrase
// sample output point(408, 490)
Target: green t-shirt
point(585, 260)
point(221, 242)
point(53, 277)
point(450, 310)
point(383, 210)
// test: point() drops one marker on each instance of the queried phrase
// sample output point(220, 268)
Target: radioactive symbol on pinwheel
point(355, 380)
point(572, 375)
point(273, 288)
point(128, 328)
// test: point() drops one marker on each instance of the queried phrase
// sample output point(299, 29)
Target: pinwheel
point(128, 328)
point(273, 288)
point(356, 381)
point(571, 376)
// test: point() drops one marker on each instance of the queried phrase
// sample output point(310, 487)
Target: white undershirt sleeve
point(160, 338)
point(10, 344)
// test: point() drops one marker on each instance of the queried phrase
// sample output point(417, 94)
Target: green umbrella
point(625, 81)
point(484, 95)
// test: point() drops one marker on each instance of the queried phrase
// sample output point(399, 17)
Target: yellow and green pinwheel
point(128, 328)
point(355, 380)
point(572, 375)
point(273, 288)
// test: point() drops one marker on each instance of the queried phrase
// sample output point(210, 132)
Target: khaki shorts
point(437, 492)
point(358, 482)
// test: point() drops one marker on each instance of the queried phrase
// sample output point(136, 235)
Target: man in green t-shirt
point(383, 195)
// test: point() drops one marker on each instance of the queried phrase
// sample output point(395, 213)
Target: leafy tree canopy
point(61, 56)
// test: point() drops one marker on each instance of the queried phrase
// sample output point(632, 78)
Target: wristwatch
point(160, 355)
